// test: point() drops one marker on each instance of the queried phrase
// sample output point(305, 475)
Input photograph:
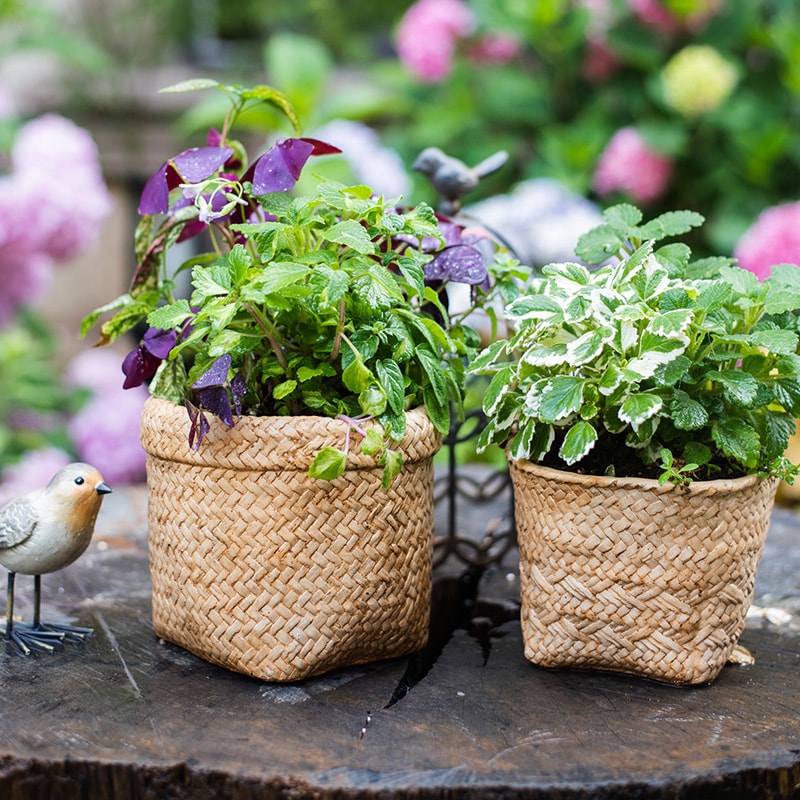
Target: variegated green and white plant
point(651, 364)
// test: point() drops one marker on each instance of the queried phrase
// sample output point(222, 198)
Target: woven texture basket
point(268, 572)
point(623, 574)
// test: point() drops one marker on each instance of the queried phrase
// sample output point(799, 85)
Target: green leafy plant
point(651, 364)
point(331, 303)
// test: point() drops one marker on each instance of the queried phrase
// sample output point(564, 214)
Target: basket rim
point(271, 442)
point(647, 484)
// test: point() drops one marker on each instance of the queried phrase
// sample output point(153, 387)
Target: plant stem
point(337, 339)
point(269, 334)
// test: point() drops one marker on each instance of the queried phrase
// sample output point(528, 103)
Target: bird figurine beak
point(103, 488)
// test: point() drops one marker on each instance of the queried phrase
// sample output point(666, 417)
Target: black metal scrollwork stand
point(472, 488)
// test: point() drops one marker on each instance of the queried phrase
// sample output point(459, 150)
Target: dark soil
point(610, 456)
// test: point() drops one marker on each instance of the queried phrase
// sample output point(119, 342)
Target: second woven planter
point(626, 575)
point(266, 571)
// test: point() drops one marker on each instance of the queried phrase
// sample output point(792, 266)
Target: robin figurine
point(41, 532)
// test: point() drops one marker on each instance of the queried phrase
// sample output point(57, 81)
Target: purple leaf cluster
point(214, 392)
point(143, 361)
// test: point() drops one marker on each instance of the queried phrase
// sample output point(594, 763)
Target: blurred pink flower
point(23, 277)
point(655, 14)
point(628, 165)
point(495, 48)
point(52, 205)
point(427, 35)
point(600, 62)
point(60, 160)
point(105, 431)
point(774, 238)
point(33, 471)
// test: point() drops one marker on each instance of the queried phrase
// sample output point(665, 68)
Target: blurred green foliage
point(555, 120)
point(34, 404)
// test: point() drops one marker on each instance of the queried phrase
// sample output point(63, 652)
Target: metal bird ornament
point(41, 532)
point(451, 178)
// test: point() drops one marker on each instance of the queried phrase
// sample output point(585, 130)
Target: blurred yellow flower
point(697, 79)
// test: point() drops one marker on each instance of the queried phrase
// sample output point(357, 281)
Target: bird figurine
point(451, 178)
point(41, 532)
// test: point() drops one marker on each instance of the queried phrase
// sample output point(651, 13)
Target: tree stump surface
point(126, 716)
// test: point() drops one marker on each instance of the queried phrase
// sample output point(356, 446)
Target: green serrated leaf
point(275, 277)
point(171, 316)
point(673, 371)
point(211, 281)
point(433, 369)
point(580, 439)
point(328, 464)
point(697, 453)
point(622, 217)
point(671, 223)
point(737, 439)
point(392, 467)
point(739, 387)
point(356, 376)
point(776, 341)
point(687, 413)
point(372, 400)
point(637, 408)
point(787, 393)
point(561, 397)
point(351, 234)
point(391, 379)
point(372, 443)
point(284, 389)
point(535, 306)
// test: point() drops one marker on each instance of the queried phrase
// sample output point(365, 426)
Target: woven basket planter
point(623, 574)
point(263, 570)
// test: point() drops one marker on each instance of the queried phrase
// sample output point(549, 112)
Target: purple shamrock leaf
point(216, 374)
point(142, 362)
point(216, 400)
point(159, 342)
point(238, 390)
point(138, 366)
point(199, 425)
point(190, 166)
point(278, 170)
point(461, 263)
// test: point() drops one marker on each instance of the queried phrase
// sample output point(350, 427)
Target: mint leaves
point(692, 365)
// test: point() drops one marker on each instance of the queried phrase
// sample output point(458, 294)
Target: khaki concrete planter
point(265, 571)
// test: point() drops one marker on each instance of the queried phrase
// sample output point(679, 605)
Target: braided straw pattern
point(623, 574)
point(263, 570)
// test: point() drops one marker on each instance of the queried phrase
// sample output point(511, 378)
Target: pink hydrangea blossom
point(630, 166)
point(33, 471)
point(105, 431)
point(52, 205)
point(427, 36)
point(58, 159)
point(774, 238)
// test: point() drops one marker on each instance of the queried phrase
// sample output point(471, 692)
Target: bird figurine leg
point(25, 637)
point(44, 531)
point(73, 633)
